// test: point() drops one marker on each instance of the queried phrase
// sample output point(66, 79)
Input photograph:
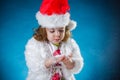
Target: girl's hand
point(59, 58)
point(68, 62)
point(49, 62)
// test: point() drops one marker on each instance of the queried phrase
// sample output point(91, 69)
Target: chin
point(56, 42)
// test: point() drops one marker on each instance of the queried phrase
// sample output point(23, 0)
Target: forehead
point(55, 28)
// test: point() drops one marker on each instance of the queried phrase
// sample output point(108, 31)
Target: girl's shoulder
point(33, 42)
point(71, 41)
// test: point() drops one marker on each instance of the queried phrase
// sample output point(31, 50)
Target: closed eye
point(52, 31)
point(61, 30)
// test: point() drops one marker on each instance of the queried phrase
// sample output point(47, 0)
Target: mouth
point(57, 39)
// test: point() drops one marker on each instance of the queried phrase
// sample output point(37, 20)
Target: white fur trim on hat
point(72, 25)
point(54, 20)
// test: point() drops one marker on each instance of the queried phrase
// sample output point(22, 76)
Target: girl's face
point(55, 35)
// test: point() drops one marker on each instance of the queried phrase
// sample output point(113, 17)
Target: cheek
point(49, 37)
point(63, 35)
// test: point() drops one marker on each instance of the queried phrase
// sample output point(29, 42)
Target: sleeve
point(76, 57)
point(34, 61)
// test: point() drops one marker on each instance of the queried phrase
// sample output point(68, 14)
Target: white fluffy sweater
point(37, 52)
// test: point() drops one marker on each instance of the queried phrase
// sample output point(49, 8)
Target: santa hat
point(54, 14)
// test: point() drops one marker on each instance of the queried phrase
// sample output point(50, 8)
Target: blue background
point(97, 33)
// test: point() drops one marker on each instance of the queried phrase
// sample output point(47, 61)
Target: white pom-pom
point(72, 25)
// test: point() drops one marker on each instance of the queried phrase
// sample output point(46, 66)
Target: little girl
point(51, 54)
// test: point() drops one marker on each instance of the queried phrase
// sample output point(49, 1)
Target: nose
point(57, 33)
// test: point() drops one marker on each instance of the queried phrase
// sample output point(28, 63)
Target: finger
point(66, 60)
point(70, 56)
point(60, 58)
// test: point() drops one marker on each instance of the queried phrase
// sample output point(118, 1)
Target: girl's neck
point(56, 44)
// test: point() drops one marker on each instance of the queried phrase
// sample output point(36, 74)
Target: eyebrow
point(51, 29)
point(61, 28)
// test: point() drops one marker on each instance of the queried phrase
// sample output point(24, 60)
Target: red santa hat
point(54, 14)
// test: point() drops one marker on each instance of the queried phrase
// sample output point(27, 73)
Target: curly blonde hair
point(41, 35)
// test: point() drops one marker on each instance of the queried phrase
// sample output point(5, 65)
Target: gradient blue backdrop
point(97, 33)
